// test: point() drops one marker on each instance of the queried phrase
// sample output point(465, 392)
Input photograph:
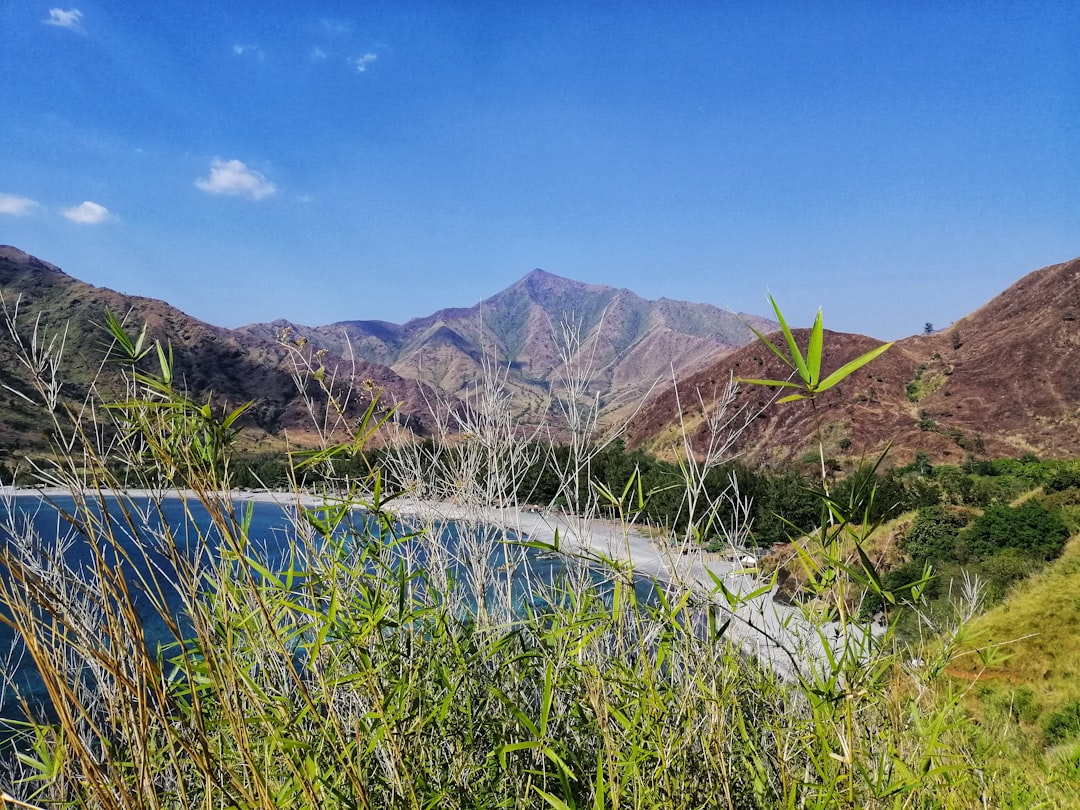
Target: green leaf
point(133, 352)
point(770, 345)
point(774, 383)
point(542, 545)
point(600, 784)
point(733, 599)
point(226, 423)
point(813, 351)
point(552, 800)
point(796, 355)
point(848, 368)
point(869, 568)
point(791, 398)
point(166, 363)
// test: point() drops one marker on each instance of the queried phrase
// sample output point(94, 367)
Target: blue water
point(271, 532)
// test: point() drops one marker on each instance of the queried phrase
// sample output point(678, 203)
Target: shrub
point(1064, 478)
point(1023, 706)
point(956, 486)
point(1003, 570)
point(1030, 527)
point(1062, 725)
point(988, 490)
point(1019, 705)
point(933, 534)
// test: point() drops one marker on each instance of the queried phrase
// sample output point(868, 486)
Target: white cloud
point(360, 63)
point(234, 177)
point(88, 213)
point(318, 54)
point(72, 18)
point(15, 205)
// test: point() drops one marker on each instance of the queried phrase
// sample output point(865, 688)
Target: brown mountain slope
point(1015, 364)
point(1002, 381)
point(633, 342)
point(234, 367)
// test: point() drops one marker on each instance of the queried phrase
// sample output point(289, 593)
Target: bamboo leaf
point(548, 696)
point(629, 486)
point(813, 351)
point(510, 748)
point(605, 493)
point(166, 362)
point(771, 346)
point(796, 355)
point(133, 351)
point(226, 422)
point(600, 784)
point(774, 383)
point(869, 568)
point(848, 368)
point(522, 718)
point(552, 800)
point(733, 599)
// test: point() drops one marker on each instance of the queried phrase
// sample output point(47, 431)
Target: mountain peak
point(554, 294)
point(548, 289)
point(537, 274)
point(543, 280)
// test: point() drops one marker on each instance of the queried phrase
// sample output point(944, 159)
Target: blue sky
point(891, 162)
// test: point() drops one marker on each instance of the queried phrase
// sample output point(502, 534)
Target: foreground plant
point(362, 662)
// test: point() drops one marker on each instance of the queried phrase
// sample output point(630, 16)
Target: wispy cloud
point(318, 54)
point(71, 18)
point(88, 213)
point(234, 177)
point(16, 206)
point(240, 49)
point(360, 63)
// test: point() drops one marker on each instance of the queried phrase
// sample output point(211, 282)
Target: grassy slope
point(1040, 623)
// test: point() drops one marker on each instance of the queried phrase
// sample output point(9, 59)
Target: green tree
point(1064, 478)
point(933, 534)
point(1030, 527)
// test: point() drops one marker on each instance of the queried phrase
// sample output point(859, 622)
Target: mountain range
point(210, 361)
point(1001, 381)
point(537, 330)
point(532, 334)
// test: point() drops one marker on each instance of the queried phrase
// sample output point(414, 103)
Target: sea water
point(271, 531)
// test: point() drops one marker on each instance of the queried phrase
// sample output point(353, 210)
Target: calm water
point(270, 531)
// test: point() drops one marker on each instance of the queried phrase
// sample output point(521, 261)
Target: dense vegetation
point(344, 676)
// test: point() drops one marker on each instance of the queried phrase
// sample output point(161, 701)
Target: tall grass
point(374, 665)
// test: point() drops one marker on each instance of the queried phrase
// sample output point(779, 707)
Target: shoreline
point(599, 536)
point(774, 633)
